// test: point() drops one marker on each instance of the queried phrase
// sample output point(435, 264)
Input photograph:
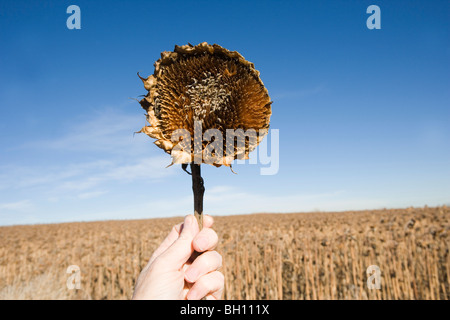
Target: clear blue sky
point(363, 114)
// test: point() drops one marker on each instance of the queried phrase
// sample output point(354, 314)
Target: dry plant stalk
point(204, 87)
point(324, 255)
point(199, 189)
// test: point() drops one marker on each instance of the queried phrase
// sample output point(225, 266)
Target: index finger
point(205, 240)
point(175, 233)
point(207, 221)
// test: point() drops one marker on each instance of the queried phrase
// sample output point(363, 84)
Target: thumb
point(181, 250)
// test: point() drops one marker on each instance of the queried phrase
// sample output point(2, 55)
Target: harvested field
point(265, 256)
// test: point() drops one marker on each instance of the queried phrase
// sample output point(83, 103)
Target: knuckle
point(212, 260)
point(211, 219)
point(202, 283)
point(220, 278)
point(205, 260)
point(218, 258)
point(213, 233)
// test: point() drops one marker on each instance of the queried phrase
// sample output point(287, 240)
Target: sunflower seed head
point(207, 84)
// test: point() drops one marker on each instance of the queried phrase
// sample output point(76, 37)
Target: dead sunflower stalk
point(202, 87)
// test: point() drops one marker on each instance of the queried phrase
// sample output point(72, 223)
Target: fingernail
point(202, 243)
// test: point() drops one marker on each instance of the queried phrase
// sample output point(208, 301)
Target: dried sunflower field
point(266, 256)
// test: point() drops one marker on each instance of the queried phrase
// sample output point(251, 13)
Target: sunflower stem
point(198, 188)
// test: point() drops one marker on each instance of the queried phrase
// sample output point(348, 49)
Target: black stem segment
point(198, 188)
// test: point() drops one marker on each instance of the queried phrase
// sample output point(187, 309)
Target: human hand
point(176, 271)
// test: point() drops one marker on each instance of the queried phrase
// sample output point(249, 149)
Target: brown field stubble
point(265, 256)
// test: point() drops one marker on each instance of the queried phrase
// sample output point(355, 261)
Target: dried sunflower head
point(198, 88)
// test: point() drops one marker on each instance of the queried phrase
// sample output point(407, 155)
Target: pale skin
point(185, 265)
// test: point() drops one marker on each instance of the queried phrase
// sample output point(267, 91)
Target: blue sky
point(363, 115)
